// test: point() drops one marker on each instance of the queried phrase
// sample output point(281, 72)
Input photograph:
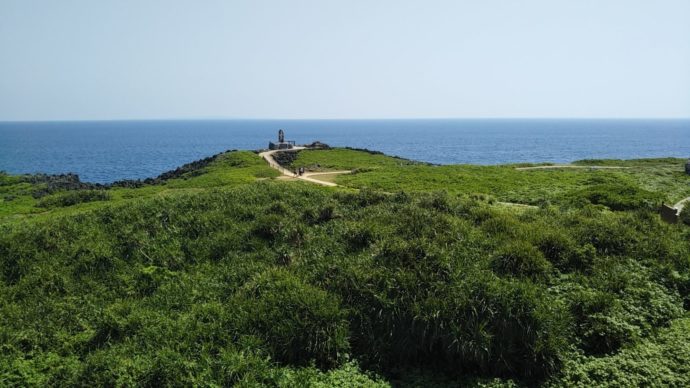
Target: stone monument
point(282, 144)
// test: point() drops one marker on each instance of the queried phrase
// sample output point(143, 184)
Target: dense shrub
point(501, 226)
point(616, 194)
point(359, 236)
point(483, 325)
point(298, 322)
point(662, 361)
point(521, 259)
point(278, 284)
point(563, 252)
point(685, 215)
point(320, 215)
point(600, 322)
point(70, 198)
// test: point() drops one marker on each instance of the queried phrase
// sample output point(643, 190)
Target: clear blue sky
point(100, 59)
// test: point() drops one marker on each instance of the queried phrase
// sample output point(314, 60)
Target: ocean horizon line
point(351, 119)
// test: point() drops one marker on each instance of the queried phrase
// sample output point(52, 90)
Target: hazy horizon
point(355, 119)
point(358, 60)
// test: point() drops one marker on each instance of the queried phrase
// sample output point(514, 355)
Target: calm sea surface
point(105, 151)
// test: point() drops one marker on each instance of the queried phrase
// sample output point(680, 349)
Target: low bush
point(298, 322)
point(616, 194)
point(71, 198)
point(685, 215)
point(658, 361)
point(563, 252)
point(521, 259)
point(236, 286)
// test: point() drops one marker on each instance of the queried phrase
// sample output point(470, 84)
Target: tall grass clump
point(274, 283)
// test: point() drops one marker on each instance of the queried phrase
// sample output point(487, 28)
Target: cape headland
point(316, 264)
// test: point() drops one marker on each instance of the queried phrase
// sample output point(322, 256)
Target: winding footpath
point(308, 176)
point(268, 157)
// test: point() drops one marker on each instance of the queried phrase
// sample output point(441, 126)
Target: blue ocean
point(105, 151)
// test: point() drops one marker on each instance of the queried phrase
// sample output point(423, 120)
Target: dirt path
point(268, 157)
point(313, 176)
point(517, 205)
point(309, 176)
point(571, 166)
point(327, 173)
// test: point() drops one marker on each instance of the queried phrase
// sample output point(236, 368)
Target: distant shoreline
point(198, 164)
point(107, 151)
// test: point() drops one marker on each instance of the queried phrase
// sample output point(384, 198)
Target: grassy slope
point(188, 281)
point(229, 169)
point(206, 286)
point(665, 178)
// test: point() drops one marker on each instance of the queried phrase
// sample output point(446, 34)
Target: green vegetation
point(216, 276)
point(22, 195)
point(641, 182)
point(71, 198)
point(685, 215)
point(662, 361)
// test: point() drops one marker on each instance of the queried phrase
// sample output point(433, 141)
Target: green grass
point(347, 159)
point(655, 179)
point(229, 169)
point(268, 282)
point(663, 361)
point(225, 277)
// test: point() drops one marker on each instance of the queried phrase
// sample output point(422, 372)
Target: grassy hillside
point(219, 277)
point(650, 181)
point(20, 195)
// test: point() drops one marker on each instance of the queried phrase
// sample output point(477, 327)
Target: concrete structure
point(669, 214)
point(281, 144)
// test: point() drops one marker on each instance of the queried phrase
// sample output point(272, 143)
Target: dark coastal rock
point(319, 145)
point(373, 152)
point(49, 184)
point(687, 167)
point(285, 158)
point(189, 170)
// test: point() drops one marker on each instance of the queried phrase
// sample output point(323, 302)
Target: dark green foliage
point(658, 361)
point(601, 324)
point(280, 284)
point(616, 194)
point(563, 251)
point(321, 214)
point(630, 184)
point(359, 236)
point(485, 325)
point(685, 215)
point(298, 322)
point(70, 198)
point(270, 227)
point(521, 259)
